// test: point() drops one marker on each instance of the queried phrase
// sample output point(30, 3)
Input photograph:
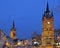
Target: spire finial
point(13, 25)
point(47, 8)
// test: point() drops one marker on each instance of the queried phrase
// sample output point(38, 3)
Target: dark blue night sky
point(27, 15)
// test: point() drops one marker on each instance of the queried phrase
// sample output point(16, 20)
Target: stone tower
point(47, 29)
point(13, 32)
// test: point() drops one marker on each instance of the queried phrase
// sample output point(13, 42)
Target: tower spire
point(47, 8)
point(13, 32)
point(13, 25)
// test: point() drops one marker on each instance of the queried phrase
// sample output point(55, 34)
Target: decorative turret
point(52, 14)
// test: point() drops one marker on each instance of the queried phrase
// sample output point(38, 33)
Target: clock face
point(48, 22)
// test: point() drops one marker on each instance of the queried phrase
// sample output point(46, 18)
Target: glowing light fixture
point(48, 22)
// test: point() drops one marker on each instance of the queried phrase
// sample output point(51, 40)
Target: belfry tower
point(13, 32)
point(47, 29)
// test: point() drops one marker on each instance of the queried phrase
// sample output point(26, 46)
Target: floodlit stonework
point(49, 38)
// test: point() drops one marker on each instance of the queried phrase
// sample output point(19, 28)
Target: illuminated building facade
point(13, 32)
point(47, 29)
point(49, 38)
point(2, 38)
